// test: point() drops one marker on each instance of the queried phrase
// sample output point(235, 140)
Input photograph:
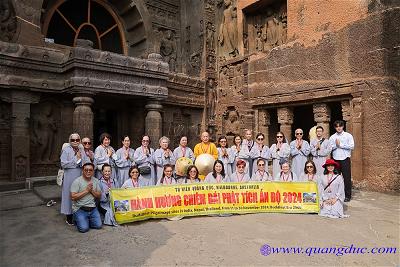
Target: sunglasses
point(87, 143)
point(75, 140)
point(261, 164)
point(279, 136)
point(309, 167)
point(299, 133)
point(260, 139)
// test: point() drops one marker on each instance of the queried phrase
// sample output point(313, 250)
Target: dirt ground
point(38, 236)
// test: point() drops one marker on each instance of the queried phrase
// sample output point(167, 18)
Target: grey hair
point(164, 138)
point(72, 135)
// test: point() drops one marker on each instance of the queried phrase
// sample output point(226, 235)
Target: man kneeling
point(84, 190)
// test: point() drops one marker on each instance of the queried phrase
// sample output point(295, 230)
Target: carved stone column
point(83, 116)
point(153, 121)
point(285, 119)
point(356, 131)
point(322, 116)
point(346, 111)
point(264, 120)
point(20, 133)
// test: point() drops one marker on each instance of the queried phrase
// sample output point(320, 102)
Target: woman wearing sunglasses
point(310, 172)
point(261, 174)
point(259, 151)
point(72, 159)
point(280, 150)
point(299, 149)
point(240, 175)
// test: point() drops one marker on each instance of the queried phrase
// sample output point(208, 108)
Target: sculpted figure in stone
point(210, 35)
point(8, 21)
point(245, 41)
point(228, 31)
point(44, 129)
point(232, 124)
point(168, 49)
point(212, 98)
point(272, 31)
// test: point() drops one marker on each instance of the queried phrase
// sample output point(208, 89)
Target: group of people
point(88, 175)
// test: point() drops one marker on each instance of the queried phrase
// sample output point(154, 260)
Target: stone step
point(11, 186)
point(48, 192)
point(32, 182)
point(18, 199)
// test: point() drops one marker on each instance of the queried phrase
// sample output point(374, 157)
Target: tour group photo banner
point(182, 200)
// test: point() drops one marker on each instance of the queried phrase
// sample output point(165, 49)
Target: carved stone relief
point(228, 34)
point(45, 123)
point(8, 21)
point(168, 49)
point(267, 28)
point(231, 121)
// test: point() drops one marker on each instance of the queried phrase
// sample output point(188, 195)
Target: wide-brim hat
point(331, 162)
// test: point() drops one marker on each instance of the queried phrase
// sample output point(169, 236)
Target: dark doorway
point(105, 121)
point(303, 119)
point(336, 114)
point(273, 127)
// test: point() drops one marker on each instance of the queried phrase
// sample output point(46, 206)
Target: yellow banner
point(131, 205)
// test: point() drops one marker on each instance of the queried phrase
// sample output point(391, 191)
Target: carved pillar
point(83, 116)
point(264, 120)
point(20, 134)
point(285, 119)
point(346, 112)
point(356, 131)
point(153, 121)
point(322, 116)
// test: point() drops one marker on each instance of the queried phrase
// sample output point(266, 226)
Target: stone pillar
point(264, 120)
point(356, 131)
point(20, 133)
point(285, 119)
point(83, 116)
point(322, 116)
point(346, 112)
point(153, 121)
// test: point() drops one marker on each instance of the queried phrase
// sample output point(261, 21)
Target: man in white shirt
point(342, 144)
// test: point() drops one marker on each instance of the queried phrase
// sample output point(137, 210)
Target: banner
point(131, 205)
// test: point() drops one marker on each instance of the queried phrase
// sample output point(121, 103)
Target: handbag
point(144, 170)
point(60, 177)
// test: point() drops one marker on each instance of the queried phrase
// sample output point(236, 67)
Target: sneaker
point(69, 223)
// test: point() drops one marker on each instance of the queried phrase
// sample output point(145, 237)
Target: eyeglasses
point(261, 164)
point(240, 167)
point(279, 136)
point(260, 139)
point(299, 133)
point(87, 143)
point(309, 167)
point(75, 140)
point(87, 170)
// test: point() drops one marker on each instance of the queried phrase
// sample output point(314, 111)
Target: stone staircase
point(35, 191)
